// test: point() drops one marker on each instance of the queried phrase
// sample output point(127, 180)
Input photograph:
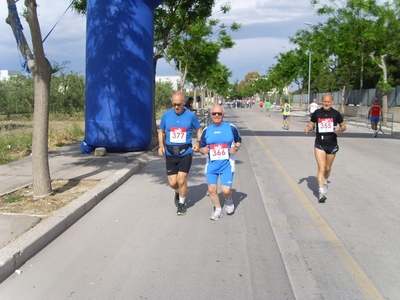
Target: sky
point(266, 28)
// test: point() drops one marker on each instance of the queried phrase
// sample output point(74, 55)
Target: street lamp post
point(309, 70)
point(309, 77)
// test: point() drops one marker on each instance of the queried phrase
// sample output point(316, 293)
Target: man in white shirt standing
point(313, 107)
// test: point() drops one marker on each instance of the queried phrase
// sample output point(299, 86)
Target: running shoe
point(326, 186)
point(322, 197)
point(216, 215)
point(176, 199)
point(181, 209)
point(229, 207)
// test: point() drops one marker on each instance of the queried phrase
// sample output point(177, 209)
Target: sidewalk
point(22, 236)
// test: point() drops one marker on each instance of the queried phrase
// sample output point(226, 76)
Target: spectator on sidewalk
point(175, 142)
point(220, 141)
point(329, 122)
point(189, 104)
point(375, 113)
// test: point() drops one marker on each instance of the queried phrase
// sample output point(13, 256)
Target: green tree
point(291, 65)
point(218, 82)
point(385, 43)
point(247, 87)
point(233, 91)
point(359, 29)
point(67, 93)
point(196, 51)
point(163, 95)
point(277, 82)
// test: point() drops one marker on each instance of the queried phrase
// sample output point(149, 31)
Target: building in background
point(5, 74)
point(175, 80)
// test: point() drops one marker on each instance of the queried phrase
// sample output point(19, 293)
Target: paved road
point(279, 244)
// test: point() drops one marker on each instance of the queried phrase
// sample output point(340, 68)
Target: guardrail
point(203, 115)
point(362, 120)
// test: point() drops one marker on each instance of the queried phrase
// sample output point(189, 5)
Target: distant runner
point(375, 113)
point(286, 109)
point(268, 108)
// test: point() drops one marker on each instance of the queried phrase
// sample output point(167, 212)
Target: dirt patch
point(64, 191)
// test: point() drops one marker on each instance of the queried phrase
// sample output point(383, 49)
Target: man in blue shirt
point(220, 141)
point(175, 142)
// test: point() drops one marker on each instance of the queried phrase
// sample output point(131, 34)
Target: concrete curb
point(15, 254)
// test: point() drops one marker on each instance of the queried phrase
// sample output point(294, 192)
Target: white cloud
point(266, 25)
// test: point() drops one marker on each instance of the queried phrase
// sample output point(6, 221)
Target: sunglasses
point(176, 104)
point(216, 113)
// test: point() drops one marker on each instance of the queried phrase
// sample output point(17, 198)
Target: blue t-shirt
point(224, 134)
point(178, 128)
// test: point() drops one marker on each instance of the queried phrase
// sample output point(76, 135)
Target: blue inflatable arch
point(119, 74)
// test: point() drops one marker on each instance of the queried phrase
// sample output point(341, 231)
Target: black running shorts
point(178, 164)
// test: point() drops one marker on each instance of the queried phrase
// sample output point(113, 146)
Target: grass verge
point(16, 134)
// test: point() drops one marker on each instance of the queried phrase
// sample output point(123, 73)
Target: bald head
point(178, 97)
point(327, 101)
point(327, 97)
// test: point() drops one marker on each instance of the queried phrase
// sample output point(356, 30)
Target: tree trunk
point(194, 96)
point(342, 93)
point(384, 97)
point(41, 70)
point(203, 97)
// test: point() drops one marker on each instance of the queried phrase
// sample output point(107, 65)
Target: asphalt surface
point(279, 244)
point(21, 236)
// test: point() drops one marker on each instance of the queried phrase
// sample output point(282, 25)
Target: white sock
point(217, 209)
point(182, 200)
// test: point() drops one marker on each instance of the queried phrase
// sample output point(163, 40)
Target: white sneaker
point(216, 215)
point(229, 207)
point(322, 195)
point(326, 186)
